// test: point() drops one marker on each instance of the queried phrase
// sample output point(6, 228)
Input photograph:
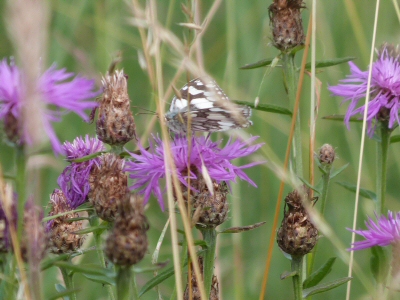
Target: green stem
point(322, 200)
point(117, 149)
point(21, 188)
point(68, 281)
point(94, 221)
point(382, 151)
point(210, 237)
point(125, 289)
point(297, 265)
point(291, 80)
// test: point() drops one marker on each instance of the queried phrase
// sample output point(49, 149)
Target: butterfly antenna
point(147, 110)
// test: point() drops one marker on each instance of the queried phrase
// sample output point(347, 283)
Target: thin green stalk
point(94, 221)
point(21, 187)
point(297, 265)
point(210, 237)
point(125, 289)
point(68, 281)
point(381, 159)
point(291, 80)
point(322, 201)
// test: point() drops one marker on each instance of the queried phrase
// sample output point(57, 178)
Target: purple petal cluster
point(74, 180)
point(58, 89)
point(385, 90)
point(383, 232)
point(148, 168)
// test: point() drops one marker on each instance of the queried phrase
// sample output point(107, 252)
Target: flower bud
point(108, 186)
point(115, 125)
point(286, 22)
point(62, 238)
point(326, 155)
point(127, 243)
point(297, 234)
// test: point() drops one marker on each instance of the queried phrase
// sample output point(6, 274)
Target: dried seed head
point(326, 155)
point(297, 234)
point(115, 125)
point(127, 243)
point(61, 231)
point(286, 22)
point(35, 240)
point(390, 49)
point(209, 210)
point(195, 289)
point(108, 185)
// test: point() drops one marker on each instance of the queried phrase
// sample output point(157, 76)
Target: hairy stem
point(297, 265)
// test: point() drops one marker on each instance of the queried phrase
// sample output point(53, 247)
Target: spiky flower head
point(127, 243)
point(297, 235)
point(108, 186)
point(61, 231)
point(148, 168)
point(74, 180)
point(286, 23)
point(55, 91)
point(115, 125)
point(384, 101)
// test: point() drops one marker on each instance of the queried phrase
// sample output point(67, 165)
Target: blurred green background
point(86, 35)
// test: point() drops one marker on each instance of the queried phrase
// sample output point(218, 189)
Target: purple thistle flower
point(74, 180)
point(385, 90)
point(54, 89)
point(384, 232)
point(148, 168)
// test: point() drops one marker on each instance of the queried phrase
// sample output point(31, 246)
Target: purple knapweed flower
point(74, 180)
point(148, 168)
point(384, 103)
point(55, 91)
point(384, 232)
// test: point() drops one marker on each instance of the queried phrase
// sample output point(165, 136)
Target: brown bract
point(115, 124)
point(286, 23)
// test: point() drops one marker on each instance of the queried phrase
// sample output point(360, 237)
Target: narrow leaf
point(395, 139)
point(85, 268)
point(329, 62)
point(96, 229)
point(338, 171)
point(62, 293)
point(309, 185)
point(341, 118)
point(363, 192)
point(320, 274)
point(152, 268)
point(258, 64)
point(87, 157)
point(288, 274)
point(266, 107)
point(325, 287)
point(158, 279)
point(242, 229)
point(103, 279)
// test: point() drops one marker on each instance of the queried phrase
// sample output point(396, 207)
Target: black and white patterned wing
point(208, 108)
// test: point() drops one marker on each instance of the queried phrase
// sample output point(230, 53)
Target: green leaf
point(63, 294)
point(363, 192)
point(95, 229)
point(90, 269)
point(320, 274)
point(103, 279)
point(341, 118)
point(309, 185)
point(159, 278)
point(395, 139)
point(329, 62)
point(338, 171)
point(379, 263)
point(46, 219)
point(266, 107)
point(87, 157)
point(152, 268)
point(242, 229)
point(288, 274)
point(258, 64)
point(325, 287)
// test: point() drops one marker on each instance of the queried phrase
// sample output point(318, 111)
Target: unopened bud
point(326, 155)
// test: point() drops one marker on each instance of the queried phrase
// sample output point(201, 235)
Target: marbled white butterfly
point(210, 109)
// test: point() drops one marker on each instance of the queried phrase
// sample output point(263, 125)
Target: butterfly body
point(208, 108)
